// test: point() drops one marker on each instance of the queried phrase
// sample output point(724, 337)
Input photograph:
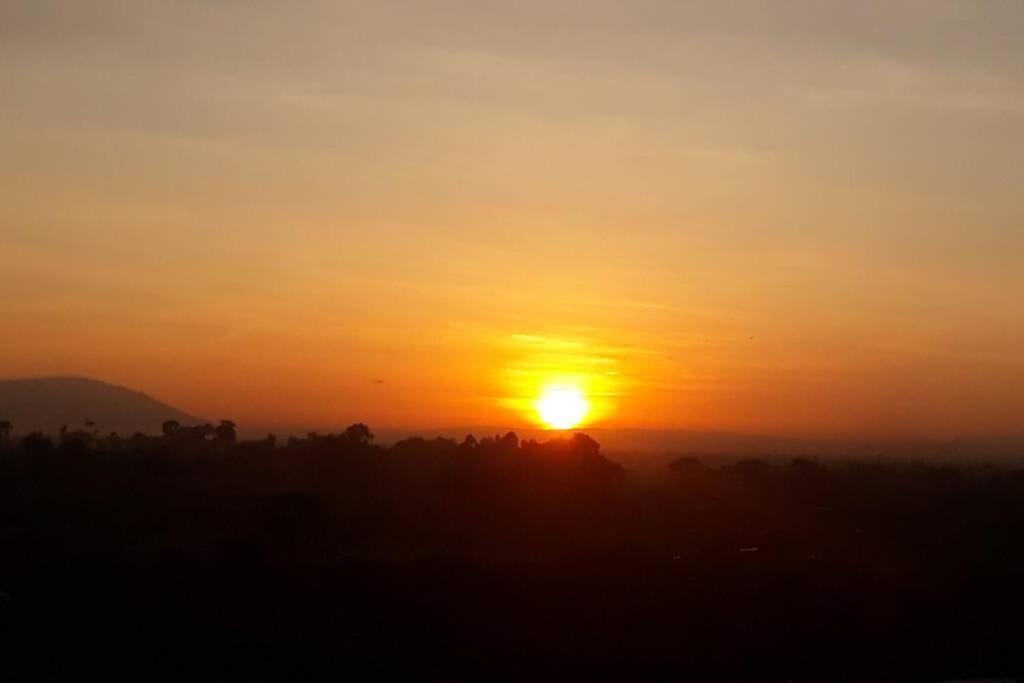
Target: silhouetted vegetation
point(196, 555)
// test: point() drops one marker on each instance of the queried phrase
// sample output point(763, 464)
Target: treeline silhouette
point(194, 554)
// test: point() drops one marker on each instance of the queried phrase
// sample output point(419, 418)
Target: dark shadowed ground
point(192, 556)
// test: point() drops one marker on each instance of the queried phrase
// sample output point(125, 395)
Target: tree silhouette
point(359, 433)
point(37, 444)
point(170, 428)
point(585, 445)
point(226, 431)
point(510, 441)
point(201, 432)
point(5, 428)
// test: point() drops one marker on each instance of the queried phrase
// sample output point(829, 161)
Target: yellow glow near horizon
point(561, 382)
point(562, 407)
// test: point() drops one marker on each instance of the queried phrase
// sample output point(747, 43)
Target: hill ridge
point(46, 403)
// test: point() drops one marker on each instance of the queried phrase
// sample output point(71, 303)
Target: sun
point(562, 407)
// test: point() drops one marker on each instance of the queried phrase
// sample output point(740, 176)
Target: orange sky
point(798, 218)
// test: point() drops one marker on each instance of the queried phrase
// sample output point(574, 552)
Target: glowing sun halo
point(562, 407)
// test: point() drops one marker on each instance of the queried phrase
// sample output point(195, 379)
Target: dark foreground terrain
point(193, 556)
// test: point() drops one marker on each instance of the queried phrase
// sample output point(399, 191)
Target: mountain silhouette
point(46, 404)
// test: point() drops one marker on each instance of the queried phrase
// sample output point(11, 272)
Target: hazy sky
point(786, 217)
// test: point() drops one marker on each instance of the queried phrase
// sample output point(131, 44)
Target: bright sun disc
point(562, 407)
